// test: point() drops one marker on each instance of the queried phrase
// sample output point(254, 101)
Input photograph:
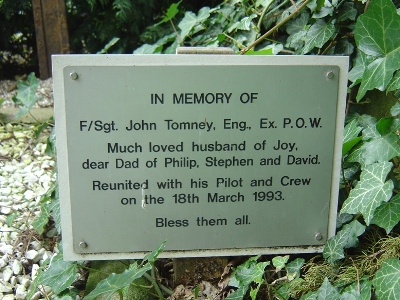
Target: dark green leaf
point(347, 12)
point(249, 271)
point(246, 22)
point(376, 34)
point(295, 25)
point(395, 110)
point(190, 20)
point(380, 148)
point(327, 291)
point(388, 214)
point(171, 12)
point(27, 94)
point(352, 292)
point(344, 47)
point(238, 294)
point(345, 238)
point(394, 84)
point(310, 296)
point(116, 282)
point(370, 192)
point(279, 262)
point(384, 125)
point(350, 135)
point(387, 280)
point(60, 274)
point(318, 34)
point(107, 47)
point(152, 257)
point(42, 219)
point(293, 268)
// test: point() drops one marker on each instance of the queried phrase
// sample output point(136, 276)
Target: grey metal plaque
point(218, 155)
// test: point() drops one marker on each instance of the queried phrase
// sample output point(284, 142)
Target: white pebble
point(9, 297)
point(29, 195)
point(5, 191)
point(36, 245)
point(25, 281)
point(5, 287)
point(6, 210)
point(17, 267)
point(7, 273)
point(20, 292)
point(14, 235)
point(6, 249)
point(2, 263)
point(31, 254)
point(13, 280)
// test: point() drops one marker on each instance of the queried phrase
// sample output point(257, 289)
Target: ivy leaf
point(387, 280)
point(387, 215)
point(394, 84)
point(238, 294)
point(357, 291)
point(249, 271)
point(345, 238)
point(190, 20)
point(370, 191)
point(310, 296)
point(327, 291)
point(279, 262)
point(360, 64)
point(116, 282)
point(379, 147)
point(347, 12)
point(344, 47)
point(27, 94)
point(42, 219)
point(395, 109)
point(171, 12)
point(245, 23)
point(376, 34)
point(350, 136)
point(60, 275)
point(297, 24)
point(244, 275)
point(293, 268)
point(318, 34)
point(151, 257)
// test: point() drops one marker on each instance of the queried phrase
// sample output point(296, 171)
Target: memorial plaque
point(217, 155)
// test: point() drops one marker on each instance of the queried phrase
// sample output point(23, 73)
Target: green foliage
point(376, 35)
point(115, 283)
point(387, 280)
point(26, 95)
point(244, 275)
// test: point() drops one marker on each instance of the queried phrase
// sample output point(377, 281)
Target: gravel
point(8, 89)
point(26, 173)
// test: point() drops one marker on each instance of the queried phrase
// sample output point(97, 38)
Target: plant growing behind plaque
point(362, 260)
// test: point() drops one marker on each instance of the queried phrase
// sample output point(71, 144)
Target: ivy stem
point(256, 42)
point(262, 15)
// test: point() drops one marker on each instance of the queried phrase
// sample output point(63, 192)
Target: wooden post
point(51, 32)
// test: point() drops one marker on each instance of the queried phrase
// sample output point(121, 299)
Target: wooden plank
point(51, 32)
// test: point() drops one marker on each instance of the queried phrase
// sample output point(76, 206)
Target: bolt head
point(73, 75)
point(330, 75)
point(83, 245)
point(318, 236)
